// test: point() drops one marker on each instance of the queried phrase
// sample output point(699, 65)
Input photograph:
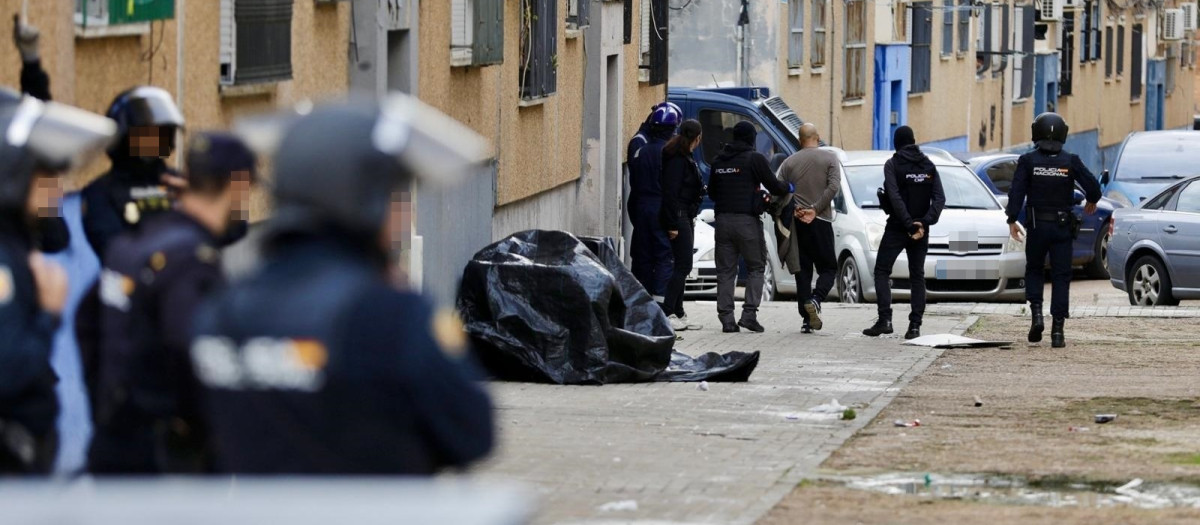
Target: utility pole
point(744, 45)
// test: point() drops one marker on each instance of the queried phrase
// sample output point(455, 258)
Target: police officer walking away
point(816, 176)
point(146, 416)
point(1045, 183)
point(914, 189)
point(38, 142)
point(650, 248)
point(133, 189)
point(317, 364)
point(734, 185)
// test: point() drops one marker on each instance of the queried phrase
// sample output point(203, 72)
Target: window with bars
point(255, 41)
point(854, 83)
point(1136, 62)
point(1089, 32)
point(539, 48)
point(1120, 50)
point(922, 38)
point(1066, 55)
point(1108, 52)
point(947, 27)
point(964, 26)
point(1023, 61)
point(653, 64)
point(817, 54)
point(476, 32)
point(795, 33)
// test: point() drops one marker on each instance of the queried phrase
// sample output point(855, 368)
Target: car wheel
point(1098, 268)
point(1149, 284)
point(848, 285)
point(769, 287)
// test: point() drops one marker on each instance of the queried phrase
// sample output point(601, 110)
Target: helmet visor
point(60, 137)
point(150, 106)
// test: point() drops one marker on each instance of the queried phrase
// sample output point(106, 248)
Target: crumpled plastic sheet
point(547, 306)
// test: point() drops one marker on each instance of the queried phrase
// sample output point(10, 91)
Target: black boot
point(1038, 325)
point(914, 330)
point(1057, 339)
point(882, 326)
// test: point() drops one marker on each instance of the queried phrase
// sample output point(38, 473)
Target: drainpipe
point(831, 61)
point(180, 12)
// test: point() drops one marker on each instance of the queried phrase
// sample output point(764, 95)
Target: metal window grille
point(539, 48)
point(795, 33)
point(817, 54)
point(855, 49)
point(922, 38)
point(256, 41)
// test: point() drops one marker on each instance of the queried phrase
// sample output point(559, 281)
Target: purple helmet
point(666, 114)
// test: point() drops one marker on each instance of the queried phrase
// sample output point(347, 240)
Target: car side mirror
point(1078, 196)
point(1003, 200)
point(708, 216)
point(1104, 178)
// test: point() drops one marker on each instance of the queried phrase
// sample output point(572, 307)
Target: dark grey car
point(1154, 254)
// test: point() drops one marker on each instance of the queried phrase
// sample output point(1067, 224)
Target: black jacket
point(737, 174)
point(129, 193)
point(152, 282)
point(914, 187)
point(317, 365)
point(683, 191)
point(1045, 180)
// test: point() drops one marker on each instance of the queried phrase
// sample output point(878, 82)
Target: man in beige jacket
point(816, 175)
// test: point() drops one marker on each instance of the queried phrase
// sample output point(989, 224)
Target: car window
point(716, 126)
point(1156, 156)
point(963, 189)
point(1160, 201)
point(1001, 174)
point(1189, 199)
point(839, 202)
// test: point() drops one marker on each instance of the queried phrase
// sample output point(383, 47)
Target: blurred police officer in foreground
point(914, 189)
point(134, 188)
point(316, 363)
point(154, 278)
point(1047, 176)
point(738, 174)
point(38, 143)
point(650, 250)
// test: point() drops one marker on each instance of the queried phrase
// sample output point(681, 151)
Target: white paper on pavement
point(954, 341)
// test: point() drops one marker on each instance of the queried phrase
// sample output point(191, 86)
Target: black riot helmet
point(143, 106)
point(1049, 126)
point(337, 167)
point(44, 136)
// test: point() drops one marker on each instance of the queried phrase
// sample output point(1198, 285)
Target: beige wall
point(951, 86)
point(639, 96)
point(90, 72)
point(538, 147)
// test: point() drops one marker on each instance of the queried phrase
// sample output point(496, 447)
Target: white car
point(971, 256)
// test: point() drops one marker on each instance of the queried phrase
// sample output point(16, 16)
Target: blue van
point(1148, 162)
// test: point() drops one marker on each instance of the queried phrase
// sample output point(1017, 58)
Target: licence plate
point(963, 269)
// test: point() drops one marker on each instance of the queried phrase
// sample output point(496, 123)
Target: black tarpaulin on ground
point(547, 306)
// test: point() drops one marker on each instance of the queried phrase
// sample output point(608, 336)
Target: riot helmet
point(144, 106)
point(1049, 126)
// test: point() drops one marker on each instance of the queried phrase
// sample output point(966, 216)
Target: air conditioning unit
point(1190, 16)
point(1172, 28)
point(1052, 10)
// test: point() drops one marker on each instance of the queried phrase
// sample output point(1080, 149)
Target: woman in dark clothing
point(682, 191)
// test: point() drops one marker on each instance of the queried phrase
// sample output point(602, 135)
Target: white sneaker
point(677, 324)
point(688, 325)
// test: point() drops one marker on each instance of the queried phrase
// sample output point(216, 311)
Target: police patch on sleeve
point(449, 332)
point(6, 285)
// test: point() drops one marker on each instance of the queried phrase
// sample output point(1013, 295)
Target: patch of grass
point(1184, 458)
point(979, 326)
point(849, 414)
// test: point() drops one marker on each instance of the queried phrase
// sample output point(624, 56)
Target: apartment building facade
point(967, 76)
point(558, 86)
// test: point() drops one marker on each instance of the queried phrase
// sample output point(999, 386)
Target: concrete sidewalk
point(682, 455)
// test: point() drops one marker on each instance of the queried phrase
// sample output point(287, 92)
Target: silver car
point(982, 262)
point(1154, 255)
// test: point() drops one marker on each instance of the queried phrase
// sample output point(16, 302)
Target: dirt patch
point(1036, 422)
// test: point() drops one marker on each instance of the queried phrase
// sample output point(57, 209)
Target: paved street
point(689, 456)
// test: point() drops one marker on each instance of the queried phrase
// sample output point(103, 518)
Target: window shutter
point(1028, 14)
point(488, 44)
point(1066, 55)
point(646, 22)
point(1004, 36)
point(264, 40)
point(539, 48)
point(795, 33)
point(964, 26)
point(461, 28)
point(581, 15)
point(1108, 52)
point(921, 33)
point(228, 44)
point(628, 22)
point(1120, 50)
point(658, 41)
point(1135, 75)
point(947, 27)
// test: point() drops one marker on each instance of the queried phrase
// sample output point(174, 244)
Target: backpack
point(885, 203)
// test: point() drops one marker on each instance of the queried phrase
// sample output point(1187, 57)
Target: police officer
point(38, 142)
point(1045, 183)
point(734, 185)
point(146, 416)
point(133, 189)
point(650, 248)
point(316, 363)
point(914, 189)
